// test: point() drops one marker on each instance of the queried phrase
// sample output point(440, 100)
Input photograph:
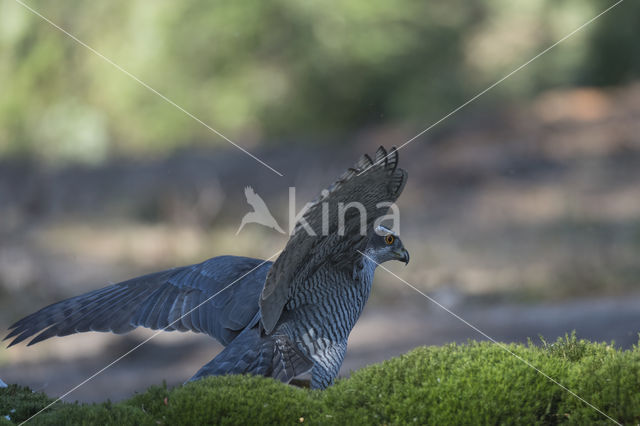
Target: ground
point(474, 383)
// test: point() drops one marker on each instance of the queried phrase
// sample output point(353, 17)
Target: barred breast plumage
point(322, 313)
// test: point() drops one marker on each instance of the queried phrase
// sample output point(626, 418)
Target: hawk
point(280, 319)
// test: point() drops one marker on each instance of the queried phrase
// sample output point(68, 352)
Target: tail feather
point(250, 353)
point(288, 360)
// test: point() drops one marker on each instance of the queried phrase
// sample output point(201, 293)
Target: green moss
point(473, 383)
point(20, 402)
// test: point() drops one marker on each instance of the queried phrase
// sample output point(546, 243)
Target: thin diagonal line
point(76, 39)
point(500, 345)
point(149, 338)
point(498, 82)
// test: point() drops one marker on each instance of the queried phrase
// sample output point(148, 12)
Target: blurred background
point(522, 211)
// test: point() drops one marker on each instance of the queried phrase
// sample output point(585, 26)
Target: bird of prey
point(280, 319)
point(260, 213)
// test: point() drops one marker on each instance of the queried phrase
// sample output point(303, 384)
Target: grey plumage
point(157, 300)
point(278, 320)
point(273, 356)
point(369, 183)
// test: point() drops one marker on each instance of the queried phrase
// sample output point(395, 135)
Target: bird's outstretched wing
point(159, 300)
point(368, 183)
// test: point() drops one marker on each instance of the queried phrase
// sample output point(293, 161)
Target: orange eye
point(389, 239)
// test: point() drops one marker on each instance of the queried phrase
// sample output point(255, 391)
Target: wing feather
point(369, 183)
point(158, 301)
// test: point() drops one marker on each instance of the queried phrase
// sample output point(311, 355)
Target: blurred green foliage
point(282, 70)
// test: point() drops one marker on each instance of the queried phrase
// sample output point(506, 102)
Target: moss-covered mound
point(476, 383)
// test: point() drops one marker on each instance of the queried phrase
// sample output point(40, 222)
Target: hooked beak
point(402, 255)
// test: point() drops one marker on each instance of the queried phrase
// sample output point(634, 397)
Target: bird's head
point(384, 245)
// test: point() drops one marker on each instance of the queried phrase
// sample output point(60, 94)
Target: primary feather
point(162, 300)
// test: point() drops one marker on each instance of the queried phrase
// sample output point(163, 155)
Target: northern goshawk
point(280, 319)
